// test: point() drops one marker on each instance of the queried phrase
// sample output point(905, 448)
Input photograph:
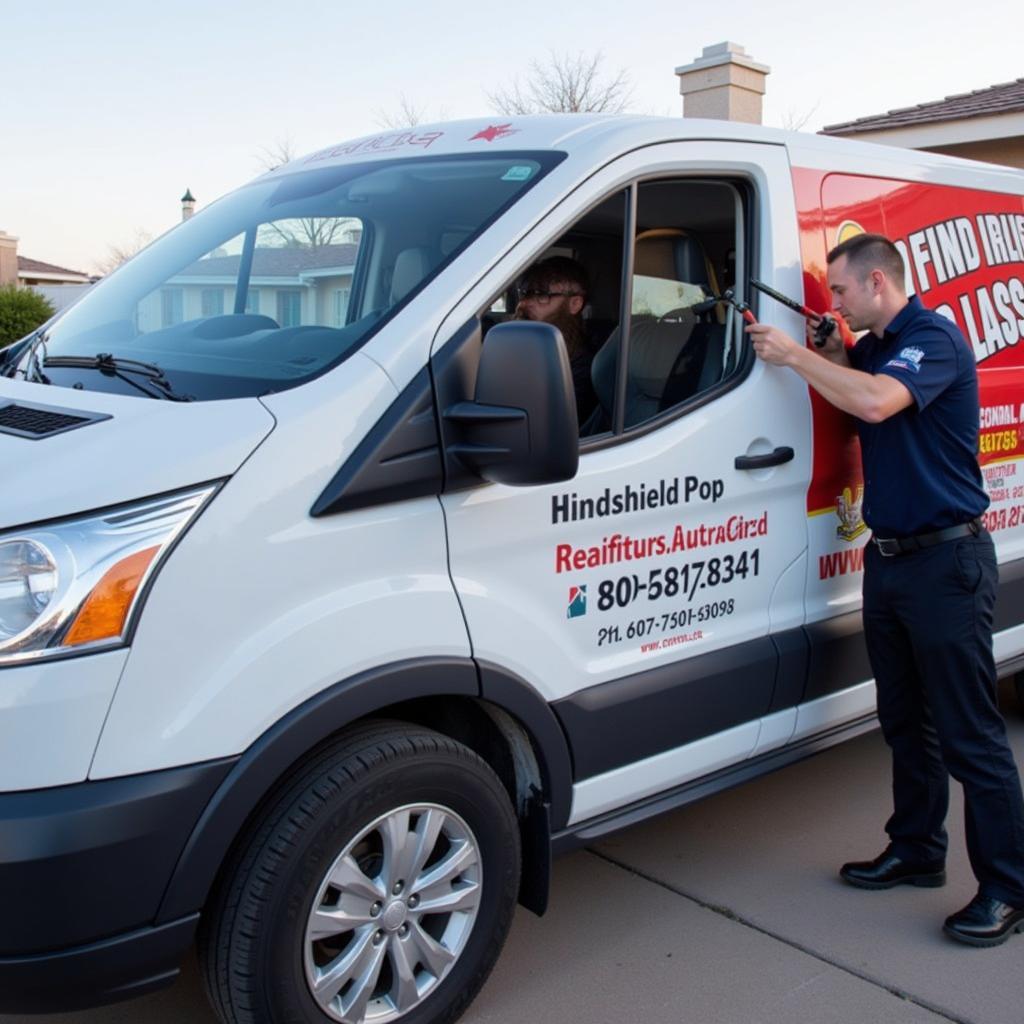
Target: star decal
point(494, 131)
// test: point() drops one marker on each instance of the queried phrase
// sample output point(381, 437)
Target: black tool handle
point(797, 307)
point(826, 325)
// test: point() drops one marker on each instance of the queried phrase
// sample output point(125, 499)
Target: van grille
point(36, 421)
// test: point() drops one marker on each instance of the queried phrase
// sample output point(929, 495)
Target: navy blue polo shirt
point(921, 468)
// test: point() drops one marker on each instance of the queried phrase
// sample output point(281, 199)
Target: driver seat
point(661, 351)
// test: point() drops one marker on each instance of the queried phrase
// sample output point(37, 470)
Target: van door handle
point(775, 458)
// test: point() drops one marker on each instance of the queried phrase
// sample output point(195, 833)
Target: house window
point(252, 300)
point(172, 306)
point(341, 306)
point(289, 308)
point(212, 302)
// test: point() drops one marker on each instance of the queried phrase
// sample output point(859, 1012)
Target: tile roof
point(276, 262)
point(25, 265)
point(1006, 98)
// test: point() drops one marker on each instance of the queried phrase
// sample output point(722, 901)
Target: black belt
point(889, 546)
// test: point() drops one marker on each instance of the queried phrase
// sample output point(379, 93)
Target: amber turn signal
point(104, 612)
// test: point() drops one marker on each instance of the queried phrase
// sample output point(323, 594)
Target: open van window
point(281, 280)
point(684, 343)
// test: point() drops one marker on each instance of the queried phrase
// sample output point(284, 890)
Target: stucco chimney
point(723, 83)
point(188, 204)
point(8, 259)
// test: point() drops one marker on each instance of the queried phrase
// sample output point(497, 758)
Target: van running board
point(586, 832)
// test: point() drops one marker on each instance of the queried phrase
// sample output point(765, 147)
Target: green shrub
point(21, 311)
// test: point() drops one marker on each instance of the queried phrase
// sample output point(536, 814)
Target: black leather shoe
point(985, 921)
point(887, 870)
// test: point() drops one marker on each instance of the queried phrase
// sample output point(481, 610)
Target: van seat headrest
point(411, 266)
point(672, 255)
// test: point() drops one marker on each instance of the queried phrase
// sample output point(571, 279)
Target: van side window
point(681, 341)
point(688, 247)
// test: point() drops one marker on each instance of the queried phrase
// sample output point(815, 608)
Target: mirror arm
point(470, 415)
point(476, 412)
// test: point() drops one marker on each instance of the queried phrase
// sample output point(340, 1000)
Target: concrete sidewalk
point(730, 912)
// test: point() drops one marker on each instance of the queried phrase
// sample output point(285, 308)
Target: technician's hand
point(833, 343)
point(772, 345)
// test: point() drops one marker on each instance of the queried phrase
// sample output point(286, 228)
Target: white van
point(323, 624)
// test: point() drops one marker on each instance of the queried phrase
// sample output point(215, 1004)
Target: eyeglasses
point(539, 295)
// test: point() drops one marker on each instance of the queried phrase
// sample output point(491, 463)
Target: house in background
point(36, 274)
point(58, 285)
point(8, 259)
point(291, 284)
point(987, 124)
point(301, 273)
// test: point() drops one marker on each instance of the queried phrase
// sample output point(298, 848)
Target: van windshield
point(280, 280)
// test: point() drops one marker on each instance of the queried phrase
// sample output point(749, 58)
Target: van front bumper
point(92, 975)
point(83, 870)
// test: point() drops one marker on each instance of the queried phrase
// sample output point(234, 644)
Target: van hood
point(64, 451)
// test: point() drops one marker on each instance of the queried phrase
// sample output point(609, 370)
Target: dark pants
point(928, 626)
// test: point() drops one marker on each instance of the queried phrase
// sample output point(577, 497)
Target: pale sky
point(110, 109)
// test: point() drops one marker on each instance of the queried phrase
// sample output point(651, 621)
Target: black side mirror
point(521, 426)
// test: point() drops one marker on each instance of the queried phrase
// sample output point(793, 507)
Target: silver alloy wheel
point(393, 914)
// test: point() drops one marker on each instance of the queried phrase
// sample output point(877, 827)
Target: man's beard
point(571, 327)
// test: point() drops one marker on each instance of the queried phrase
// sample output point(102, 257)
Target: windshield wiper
point(11, 356)
point(26, 352)
point(114, 366)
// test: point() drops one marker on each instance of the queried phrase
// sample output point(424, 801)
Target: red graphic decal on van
point(494, 131)
point(964, 256)
point(839, 563)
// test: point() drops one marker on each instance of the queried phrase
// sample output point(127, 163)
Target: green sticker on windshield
point(518, 173)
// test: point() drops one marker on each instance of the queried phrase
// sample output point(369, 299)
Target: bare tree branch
point(793, 121)
point(408, 115)
point(118, 254)
point(565, 84)
point(304, 232)
point(279, 153)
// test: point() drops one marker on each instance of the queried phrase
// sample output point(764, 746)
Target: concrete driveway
point(730, 912)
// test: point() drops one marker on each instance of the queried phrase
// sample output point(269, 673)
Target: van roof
point(598, 137)
point(568, 132)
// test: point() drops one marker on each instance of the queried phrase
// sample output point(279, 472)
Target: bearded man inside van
point(554, 291)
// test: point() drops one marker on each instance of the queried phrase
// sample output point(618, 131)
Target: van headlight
point(76, 585)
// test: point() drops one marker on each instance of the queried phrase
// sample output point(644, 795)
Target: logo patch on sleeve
point(909, 359)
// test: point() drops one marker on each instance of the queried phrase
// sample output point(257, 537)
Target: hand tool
point(825, 324)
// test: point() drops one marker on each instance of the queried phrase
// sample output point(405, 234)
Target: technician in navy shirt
point(930, 578)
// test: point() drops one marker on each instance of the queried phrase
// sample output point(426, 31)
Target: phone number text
point(683, 580)
point(682, 619)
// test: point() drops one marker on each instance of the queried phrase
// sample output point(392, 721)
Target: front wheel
point(378, 887)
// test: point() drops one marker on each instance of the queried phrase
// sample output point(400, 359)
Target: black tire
point(1018, 689)
point(253, 946)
